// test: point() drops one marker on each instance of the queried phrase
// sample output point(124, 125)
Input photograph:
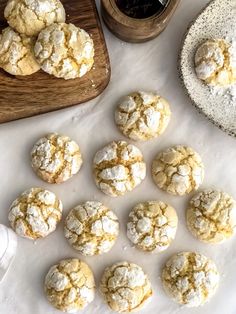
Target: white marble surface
point(149, 66)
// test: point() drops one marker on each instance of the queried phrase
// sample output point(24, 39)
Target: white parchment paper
point(149, 66)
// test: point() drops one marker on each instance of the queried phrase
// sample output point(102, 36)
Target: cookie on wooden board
point(64, 50)
point(29, 17)
point(17, 53)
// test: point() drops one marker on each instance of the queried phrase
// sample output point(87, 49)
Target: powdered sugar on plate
point(218, 104)
point(228, 94)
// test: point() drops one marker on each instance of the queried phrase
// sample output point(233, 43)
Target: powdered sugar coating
point(16, 53)
point(125, 287)
point(35, 213)
point(56, 158)
point(190, 278)
point(31, 16)
point(178, 170)
point(142, 115)
point(91, 228)
point(215, 62)
point(69, 285)
point(118, 168)
point(211, 216)
point(152, 226)
point(64, 50)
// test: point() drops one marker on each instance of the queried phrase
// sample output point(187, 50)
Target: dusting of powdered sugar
point(228, 94)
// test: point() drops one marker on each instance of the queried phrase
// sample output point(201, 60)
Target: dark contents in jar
point(139, 9)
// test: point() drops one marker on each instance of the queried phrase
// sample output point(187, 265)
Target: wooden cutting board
point(25, 96)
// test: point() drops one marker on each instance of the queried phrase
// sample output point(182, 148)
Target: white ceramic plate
point(217, 20)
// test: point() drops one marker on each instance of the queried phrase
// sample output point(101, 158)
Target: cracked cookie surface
point(35, 213)
point(142, 115)
point(29, 17)
point(16, 53)
point(215, 62)
point(152, 226)
point(118, 168)
point(211, 216)
point(178, 170)
point(56, 158)
point(69, 285)
point(64, 50)
point(91, 228)
point(125, 287)
point(190, 278)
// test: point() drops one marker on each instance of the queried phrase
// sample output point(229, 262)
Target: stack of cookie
point(38, 37)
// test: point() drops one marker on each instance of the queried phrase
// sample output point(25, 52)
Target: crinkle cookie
point(69, 285)
point(211, 216)
point(16, 53)
point(118, 168)
point(31, 16)
point(91, 228)
point(215, 62)
point(178, 170)
point(190, 278)
point(64, 51)
point(35, 213)
point(142, 115)
point(125, 287)
point(56, 158)
point(152, 226)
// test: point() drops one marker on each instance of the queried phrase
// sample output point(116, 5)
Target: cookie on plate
point(17, 53)
point(125, 287)
point(56, 158)
point(69, 285)
point(64, 50)
point(35, 213)
point(152, 226)
point(190, 278)
point(118, 168)
point(215, 62)
point(178, 170)
point(29, 17)
point(211, 216)
point(91, 228)
point(142, 115)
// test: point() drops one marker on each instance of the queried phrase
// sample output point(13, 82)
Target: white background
point(149, 66)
